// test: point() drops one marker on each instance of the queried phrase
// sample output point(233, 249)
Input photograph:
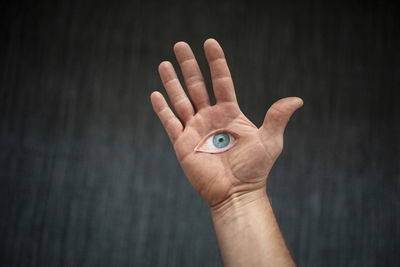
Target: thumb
point(278, 115)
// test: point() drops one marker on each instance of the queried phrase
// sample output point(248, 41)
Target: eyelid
point(214, 132)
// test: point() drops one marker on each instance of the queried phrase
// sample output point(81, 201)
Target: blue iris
point(221, 140)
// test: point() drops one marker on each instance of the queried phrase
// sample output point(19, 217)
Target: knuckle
point(169, 124)
point(194, 81)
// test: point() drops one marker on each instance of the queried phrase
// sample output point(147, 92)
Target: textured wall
point(87, 174)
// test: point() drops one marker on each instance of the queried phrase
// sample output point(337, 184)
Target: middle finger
point(192, 75)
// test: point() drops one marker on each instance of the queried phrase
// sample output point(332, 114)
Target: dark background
point(88, 176)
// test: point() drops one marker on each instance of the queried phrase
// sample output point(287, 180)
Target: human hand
point(244, 167)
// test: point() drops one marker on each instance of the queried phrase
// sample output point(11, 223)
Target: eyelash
point(214, 150)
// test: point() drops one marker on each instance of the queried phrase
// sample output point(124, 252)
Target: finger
point(192, 75)
point(278, 116)
point(171, 123)
point(220, 74)
point(176, 94)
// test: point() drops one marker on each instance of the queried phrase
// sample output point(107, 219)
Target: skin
point(233, 182)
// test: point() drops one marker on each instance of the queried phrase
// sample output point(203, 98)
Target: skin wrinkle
point(168, 121)
point(195, 71)
point(199, 104)
point(216, 60)
point(184, 61)
point(183, 158)
point(170, 124)
point(189, 148)
point(277, 110)
point(214, 179)
point(204, 103)
point(223, 206)
point(214, 126)
point(199, 119)
point(195, 83)
point(238, 169)
point(228, 171)
point(184, 104)
point(222, 79)
point(271, 156)
point(218, 74)
point(172, 80)
point(193, 79)
point(221, 100)
point(179, 98)
point(183, 116)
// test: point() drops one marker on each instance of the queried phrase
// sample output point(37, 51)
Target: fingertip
point(153, 98)
point(157, 101)
point(164, 64)
point(210, 41)
point(298, 101)
point(154, 95)
point(292, 101)
point(213, 49)
point(180, 44)
point(166, 71)
point(183, 51)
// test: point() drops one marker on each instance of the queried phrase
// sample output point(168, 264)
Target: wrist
point(239, 204)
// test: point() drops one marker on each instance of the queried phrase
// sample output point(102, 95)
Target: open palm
point(244, 167)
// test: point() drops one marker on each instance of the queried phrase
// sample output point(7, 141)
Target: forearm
point(247, 232)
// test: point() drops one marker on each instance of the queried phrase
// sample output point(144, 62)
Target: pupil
point(221, 140)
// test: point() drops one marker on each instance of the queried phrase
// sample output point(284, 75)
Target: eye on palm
point(215, 167)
